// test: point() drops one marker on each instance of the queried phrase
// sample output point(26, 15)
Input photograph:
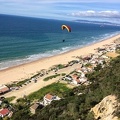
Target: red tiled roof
point(4, 111)
point(49, 96)
point(74, 76)
point(4, 89)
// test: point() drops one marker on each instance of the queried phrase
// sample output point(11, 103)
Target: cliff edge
point(106, 109)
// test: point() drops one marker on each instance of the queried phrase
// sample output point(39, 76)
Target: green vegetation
point(104, 81)
point(18, 84)
point(9, 99)
point(60, 66)
point(63, 74)
point(98, 67)
point(35, 75)
point(22, 82)
point(55, 88)
point(88, 65)
point(22, 111)
point(51, 77)
point(118, 50)
point(72, 72)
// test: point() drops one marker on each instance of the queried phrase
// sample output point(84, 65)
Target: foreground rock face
point(106, 108)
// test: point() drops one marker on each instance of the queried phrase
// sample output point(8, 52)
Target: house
point(83, 80)
point(74, 76)
point(104, 56)
point(75, 79)
point(82, 74)
point(0, 102)
point(95, 56)
point(84, 70)
point(4, 89)
point(34, 107)
point(4, 112)
point(49, 98)
point(93, 61)
point(100, 62)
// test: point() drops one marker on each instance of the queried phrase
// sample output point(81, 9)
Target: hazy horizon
point(95, 10)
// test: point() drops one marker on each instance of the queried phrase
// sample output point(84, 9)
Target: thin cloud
point(92, 13)
point(61, 9)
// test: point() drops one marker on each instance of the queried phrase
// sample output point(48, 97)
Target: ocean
point(26, 39)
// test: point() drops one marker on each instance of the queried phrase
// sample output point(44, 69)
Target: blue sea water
point(25, 39)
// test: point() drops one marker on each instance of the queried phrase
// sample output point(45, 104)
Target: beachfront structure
point(49, 98)
point(83, 79)
point(95, 56)
point(84, 70)
point(34, 107)
point(76, 80)
point(4, 112)
point(0, 102)
point(93, 61)
point(79, 79)
point(4, 89)
point(104, 56)
point(79, 70)
point(82, 74)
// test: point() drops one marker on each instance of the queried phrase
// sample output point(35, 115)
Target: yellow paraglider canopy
point(66, 27)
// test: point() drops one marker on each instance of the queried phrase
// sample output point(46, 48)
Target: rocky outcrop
point(106, 108)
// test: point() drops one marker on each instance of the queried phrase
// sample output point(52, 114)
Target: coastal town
point(72, 74)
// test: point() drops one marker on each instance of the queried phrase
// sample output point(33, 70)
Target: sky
point(97, 10)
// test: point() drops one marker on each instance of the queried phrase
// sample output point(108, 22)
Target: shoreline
point(31, 61)
point(25, 61)
point(27, 70)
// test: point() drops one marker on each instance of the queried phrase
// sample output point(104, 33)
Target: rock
point(106, 108)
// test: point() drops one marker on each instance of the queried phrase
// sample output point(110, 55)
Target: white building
point(76, 80)
point(49, 98)
point(83, 80)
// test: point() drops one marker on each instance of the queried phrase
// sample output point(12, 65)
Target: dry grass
point(112, 54)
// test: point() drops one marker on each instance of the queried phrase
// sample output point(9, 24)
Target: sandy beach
point(24, 71)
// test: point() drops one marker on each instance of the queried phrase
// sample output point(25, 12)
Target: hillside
point(77, 103)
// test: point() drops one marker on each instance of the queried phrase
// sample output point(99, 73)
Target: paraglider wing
point(66, 27)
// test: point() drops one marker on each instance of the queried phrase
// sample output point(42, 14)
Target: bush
point(51, 77)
